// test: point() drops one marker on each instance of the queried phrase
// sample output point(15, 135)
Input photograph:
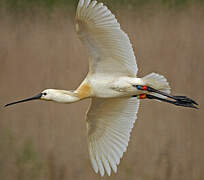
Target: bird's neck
point(82, 92)
point(62, 96)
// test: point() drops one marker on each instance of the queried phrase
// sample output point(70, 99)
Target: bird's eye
point(44, 94)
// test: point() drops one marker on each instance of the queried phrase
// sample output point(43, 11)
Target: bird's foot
point(185, 103)
point(185, 99)
point(179, 100)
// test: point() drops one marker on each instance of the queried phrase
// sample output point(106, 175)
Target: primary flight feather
point(111, 84)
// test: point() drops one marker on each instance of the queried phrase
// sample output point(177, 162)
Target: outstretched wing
point(109, 47)
point(109, 123)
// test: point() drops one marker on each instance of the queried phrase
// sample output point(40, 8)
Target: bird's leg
point(141, 96)
point(177, 102)
point(180, 100)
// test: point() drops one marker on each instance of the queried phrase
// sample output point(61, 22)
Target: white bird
point(111, 84)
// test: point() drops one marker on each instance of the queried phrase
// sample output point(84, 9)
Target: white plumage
point(109, 123)
point(109, 47)
point(112, 86)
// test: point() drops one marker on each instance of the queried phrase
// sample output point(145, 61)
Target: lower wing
point(109, 123)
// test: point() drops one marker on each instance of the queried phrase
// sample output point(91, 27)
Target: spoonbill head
point(55, 95)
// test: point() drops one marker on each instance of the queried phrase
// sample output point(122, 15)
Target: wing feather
point(109, 47)
point(93, 158)
point(109, 124)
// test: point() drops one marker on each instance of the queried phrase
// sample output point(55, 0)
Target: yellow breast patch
point(84, 91)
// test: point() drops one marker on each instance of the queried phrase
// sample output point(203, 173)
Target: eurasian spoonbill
point(112, 85)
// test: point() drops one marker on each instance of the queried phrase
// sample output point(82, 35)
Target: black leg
point(179, 100)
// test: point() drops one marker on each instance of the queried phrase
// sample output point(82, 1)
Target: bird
point(112, 85)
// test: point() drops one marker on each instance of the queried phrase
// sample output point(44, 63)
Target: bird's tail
point(158, 82)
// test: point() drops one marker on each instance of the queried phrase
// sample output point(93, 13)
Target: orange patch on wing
point(84, 91)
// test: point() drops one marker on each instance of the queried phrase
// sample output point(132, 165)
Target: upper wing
point(109, 123)
point(109, 47)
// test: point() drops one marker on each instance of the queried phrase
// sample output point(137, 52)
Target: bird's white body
point(112, 87)
point(110, 84)
point(97, 86)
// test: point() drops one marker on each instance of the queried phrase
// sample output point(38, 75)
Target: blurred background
point(39, 49)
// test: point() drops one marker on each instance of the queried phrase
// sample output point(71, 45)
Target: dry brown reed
point(38, 51)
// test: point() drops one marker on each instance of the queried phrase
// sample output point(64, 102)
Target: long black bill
point(38, 96)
